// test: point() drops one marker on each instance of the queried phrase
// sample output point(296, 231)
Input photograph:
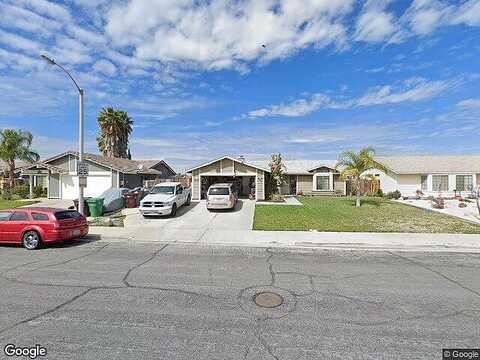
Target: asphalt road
point(155, 301)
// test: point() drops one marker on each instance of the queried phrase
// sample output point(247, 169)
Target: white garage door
point(96, 185)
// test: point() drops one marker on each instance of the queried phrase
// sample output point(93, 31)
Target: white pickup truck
point(165, 198)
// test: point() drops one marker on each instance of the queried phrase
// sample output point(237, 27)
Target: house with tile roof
point(432, 175)
point(60, 172)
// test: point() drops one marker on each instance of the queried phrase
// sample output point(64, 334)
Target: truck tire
point(189, 200)
point(174, 210)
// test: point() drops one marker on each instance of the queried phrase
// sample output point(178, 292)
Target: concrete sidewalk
point(296, 239)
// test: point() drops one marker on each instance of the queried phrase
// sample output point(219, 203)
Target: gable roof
point(427, 164)
point(40, 164)
point(125, 166)
point(252, 164)
point(300, 167)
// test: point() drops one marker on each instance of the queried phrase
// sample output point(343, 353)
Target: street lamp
point(80, 128)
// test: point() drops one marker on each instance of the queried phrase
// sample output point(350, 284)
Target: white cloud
point(295, 108)
point(105, 67)
point(46, 8)
point(374, 23)
point(424, 16)
point(468, 13)
point(224, 34)
point(414, 89)
point(469, 103)
point(19, 42)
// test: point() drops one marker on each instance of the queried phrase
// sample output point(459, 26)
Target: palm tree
point(15, 145)
point(353, 166)
point(115, 129)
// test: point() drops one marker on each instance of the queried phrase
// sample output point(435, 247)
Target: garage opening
point(243, 185)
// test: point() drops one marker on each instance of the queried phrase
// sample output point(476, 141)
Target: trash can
point(86, 210)
point(96, 206)
point(131, 200)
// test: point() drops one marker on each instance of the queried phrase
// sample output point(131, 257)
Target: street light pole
point(81, 93)
point(80, 148)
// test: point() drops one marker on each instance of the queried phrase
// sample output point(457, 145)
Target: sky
point(207, 78)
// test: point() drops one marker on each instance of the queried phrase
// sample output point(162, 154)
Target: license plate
point(76, 232)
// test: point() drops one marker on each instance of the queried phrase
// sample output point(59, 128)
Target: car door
point(180, 194)
point(15, 225)
point(4, 217)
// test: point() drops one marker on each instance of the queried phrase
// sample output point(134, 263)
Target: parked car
point(221, 196)
point(33, 226)
point(165, 199)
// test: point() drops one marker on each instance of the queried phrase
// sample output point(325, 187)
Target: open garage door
point(243, 185)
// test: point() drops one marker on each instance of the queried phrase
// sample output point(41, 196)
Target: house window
point(323, 183)
point(424, 183)
point(440, 182)
point(464, 182)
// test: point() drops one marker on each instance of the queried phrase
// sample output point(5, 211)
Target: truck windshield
point(163, 190)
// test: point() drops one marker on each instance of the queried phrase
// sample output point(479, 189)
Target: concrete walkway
point(296, 239)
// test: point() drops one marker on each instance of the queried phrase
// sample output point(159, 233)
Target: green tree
point(353, 165)
point(15, 145)
point(277, 177)
point(115, 129)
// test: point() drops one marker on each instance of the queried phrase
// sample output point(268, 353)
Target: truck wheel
point(31, 240)
point(189, 200)
point(174, 210)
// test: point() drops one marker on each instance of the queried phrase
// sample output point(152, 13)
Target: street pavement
point(125, 300)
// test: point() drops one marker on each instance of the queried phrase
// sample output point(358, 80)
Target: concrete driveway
point(52, 203)
point(191, 222)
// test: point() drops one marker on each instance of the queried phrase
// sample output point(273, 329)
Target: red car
point(33, 226)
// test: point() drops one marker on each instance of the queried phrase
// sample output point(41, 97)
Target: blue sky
point(402, 76)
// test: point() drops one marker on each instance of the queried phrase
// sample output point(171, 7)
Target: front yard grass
point(8, 204)
point(340, 214)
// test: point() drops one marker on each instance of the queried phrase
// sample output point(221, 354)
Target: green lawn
point(340, 214)
point(7, 204)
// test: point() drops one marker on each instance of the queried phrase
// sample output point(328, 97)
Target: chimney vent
point(241, 158)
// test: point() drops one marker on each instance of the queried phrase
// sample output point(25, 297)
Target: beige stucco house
point(431, 175)
point(302, 176)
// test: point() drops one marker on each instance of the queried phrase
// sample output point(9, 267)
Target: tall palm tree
point(15, 145)
point(115, 129)
point(353, 166)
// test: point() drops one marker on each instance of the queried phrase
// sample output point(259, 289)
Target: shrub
point(39, 191)
point(380, 193)
point(394, 195)
point(20, 190)
point(438, 203)
point(338, 192)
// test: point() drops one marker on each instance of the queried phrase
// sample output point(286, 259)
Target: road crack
point(422, 265)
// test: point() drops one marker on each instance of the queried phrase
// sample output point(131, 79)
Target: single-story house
point(302, 176)
point(60, 173)
point(431, 175)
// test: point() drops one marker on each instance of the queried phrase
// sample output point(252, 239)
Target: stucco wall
point(260, 185)
point(195, 185)
point(304, 183)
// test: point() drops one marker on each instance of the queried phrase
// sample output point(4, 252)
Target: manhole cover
point(268, 299)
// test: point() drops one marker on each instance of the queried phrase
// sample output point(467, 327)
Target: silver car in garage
point(221, 196)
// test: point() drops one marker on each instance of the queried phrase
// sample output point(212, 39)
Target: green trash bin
point(96, 206)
